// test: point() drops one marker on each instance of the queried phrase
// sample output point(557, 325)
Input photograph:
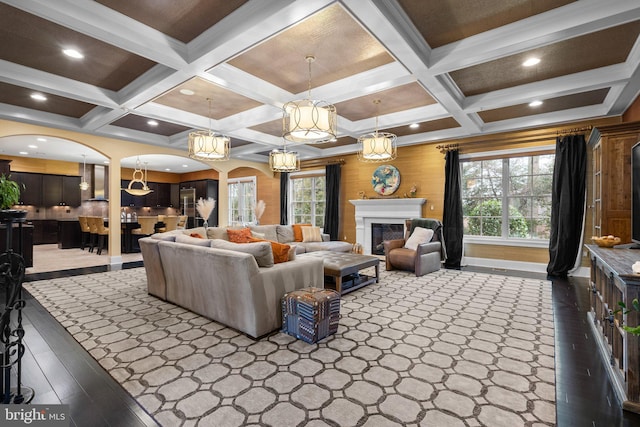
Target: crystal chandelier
point(377, 146)
point(84, 185)
point(208, 145)
point(283, 160)
point(138, 178)
point(309, 121)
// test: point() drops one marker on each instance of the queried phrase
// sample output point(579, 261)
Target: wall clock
point(385, 180)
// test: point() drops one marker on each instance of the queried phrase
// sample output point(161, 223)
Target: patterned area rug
point(447, 349)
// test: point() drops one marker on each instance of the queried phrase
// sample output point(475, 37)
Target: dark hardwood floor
point(60, 371)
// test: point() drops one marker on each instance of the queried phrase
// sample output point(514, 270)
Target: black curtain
point(332, 208)
point(567, 204)
point(284, 198)
point(452, 226)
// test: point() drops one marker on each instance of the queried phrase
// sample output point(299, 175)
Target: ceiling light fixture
point(73, 53)
point(531, 62)
point(283, 160)
point(535, 103)
point(377, 146)
point(84, 185)
point(414, 125)
point(38, 97)
point(187, 92)
point(152, 123)
point(307, 120)
point(208, 145)
point(138, 178)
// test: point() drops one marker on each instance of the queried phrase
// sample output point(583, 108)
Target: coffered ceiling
point(452, 67)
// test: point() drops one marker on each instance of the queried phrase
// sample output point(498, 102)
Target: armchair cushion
point(418, 236)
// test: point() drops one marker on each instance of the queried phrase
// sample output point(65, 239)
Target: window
point(242, 199)
point(307, 198)
point(508, 197)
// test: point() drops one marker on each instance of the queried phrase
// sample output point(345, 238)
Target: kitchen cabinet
point(163, 195)
point(130, 200)
point(61, 190)
point(27, 241)
point(69, 235)
point(30, 187)
point(45, 231)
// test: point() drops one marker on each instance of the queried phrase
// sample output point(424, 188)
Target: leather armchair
point(425, 259)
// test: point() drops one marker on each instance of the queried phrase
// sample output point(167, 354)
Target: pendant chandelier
point(309, 121)
point(377, 146)
point(208, 145)
point(138, 178)
point(84, 185)
point(283, 160)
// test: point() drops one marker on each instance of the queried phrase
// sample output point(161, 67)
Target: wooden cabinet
point(130, 200)
point(611, 179)
point(69, 235)
point(31, 187)
point(162, 196)
point(60, 190)
point(26, 243)
point(612, 280)
point(45, 231)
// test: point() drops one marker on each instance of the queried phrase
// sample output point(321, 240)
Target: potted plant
point(9, 196)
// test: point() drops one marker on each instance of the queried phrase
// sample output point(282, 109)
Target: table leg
point(339, 284)
point(378, 273)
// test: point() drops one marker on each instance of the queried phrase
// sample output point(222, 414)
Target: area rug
point(450, 348)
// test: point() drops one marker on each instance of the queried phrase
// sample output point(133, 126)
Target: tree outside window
point(508, 197)
point(307, 199)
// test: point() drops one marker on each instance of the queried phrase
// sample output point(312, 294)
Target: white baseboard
point(502, 264)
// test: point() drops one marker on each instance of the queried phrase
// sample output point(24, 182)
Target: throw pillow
point(257, 235)
point(261, 251)
point(280, 250)
point(196, 235)
point(269, 231)
point(311, 234)
point(285, 233)
point(418, 237)
point(297, 231)
point(239, 236)
point(181, 238)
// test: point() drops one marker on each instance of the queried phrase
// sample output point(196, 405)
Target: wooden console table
point(613, 280)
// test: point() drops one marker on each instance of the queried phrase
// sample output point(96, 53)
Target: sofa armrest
point(392, 244)
point(427, 248)
point(326, 237)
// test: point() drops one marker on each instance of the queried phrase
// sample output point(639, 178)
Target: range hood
point(99, 176)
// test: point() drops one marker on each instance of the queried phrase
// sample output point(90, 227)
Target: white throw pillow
point(419, 236)
point(311, 234)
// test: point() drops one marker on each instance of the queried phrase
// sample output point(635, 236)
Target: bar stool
point(171, 223)
point(85, 231)
point(103, 233)
point(182, 222)
point(147, 227)
point(93, 232)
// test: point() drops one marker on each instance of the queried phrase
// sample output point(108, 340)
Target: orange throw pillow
point(240, 236)
point(297, 231)
point(196, 235)
point(280, 250)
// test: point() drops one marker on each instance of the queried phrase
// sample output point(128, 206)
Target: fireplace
point(383, 211)
point(382, 232)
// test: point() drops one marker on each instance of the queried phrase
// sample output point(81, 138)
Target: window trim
point(230, 181)
point(503, 154)
point(299, 175)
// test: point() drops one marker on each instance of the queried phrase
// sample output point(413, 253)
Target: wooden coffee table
point(343, 269)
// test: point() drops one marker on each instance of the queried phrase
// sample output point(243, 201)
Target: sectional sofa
point(236, 284)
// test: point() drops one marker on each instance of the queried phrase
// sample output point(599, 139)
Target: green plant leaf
point(632, 331)
point(636, 304)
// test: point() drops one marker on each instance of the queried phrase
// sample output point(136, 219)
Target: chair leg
point(100, 243)
point(92, 241)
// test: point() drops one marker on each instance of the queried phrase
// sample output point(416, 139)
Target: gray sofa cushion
point(285, 233)
point(181, 238)
point(269, 231)
point(217, 233)
point(261, 251)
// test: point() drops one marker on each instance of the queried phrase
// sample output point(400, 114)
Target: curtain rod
point(320, 162)
point(446, 147)
point(574, 130)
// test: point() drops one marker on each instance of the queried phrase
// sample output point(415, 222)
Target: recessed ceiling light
point(152, 123)
point(73, 53)
point(535, 103)
point(185, 166)
point(187, 92)
point(106, 162)
point(41, 139)
point(38, 97)
point(167, 169)
point(531, 62)
point(32, 146)
point(24, 153)
point(414, 125)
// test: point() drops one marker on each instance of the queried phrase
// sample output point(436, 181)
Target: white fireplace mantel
point(386, 211)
